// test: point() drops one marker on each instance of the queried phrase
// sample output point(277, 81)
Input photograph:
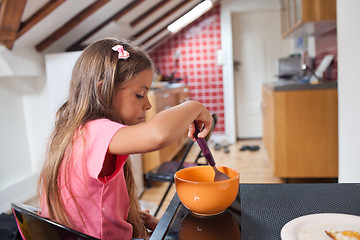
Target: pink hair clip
point(123, 54)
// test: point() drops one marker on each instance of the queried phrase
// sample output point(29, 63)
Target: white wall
point(15, 165)
point(14, 136)
point(58, 73)
point(348, 89)
point(17, 168)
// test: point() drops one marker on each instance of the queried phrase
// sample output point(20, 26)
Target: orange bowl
point(198, 192)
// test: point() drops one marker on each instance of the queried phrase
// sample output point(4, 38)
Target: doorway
point(257, 44)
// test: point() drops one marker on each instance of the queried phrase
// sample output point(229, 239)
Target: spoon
point(219, 176)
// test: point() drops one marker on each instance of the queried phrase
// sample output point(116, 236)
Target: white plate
point(313, 226)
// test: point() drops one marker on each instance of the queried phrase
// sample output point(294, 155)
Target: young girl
point(86, 182)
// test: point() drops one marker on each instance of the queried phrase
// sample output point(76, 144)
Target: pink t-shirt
point(102, 204)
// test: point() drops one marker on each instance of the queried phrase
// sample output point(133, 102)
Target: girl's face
point(131, 99)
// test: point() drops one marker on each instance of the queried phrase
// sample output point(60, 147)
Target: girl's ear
point(99, 86)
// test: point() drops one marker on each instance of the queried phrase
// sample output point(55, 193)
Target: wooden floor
point(253, 166)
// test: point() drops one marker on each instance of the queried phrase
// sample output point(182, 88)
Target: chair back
point(33, 226)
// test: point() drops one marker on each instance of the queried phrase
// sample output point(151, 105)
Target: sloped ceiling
point(65, 25)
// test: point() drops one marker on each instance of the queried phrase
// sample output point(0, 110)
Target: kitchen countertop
point(289, 85)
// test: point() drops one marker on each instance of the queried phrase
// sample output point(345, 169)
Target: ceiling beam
point(148, 13)
point(10, 17)
point(161, 18)
point(69, 25)
point(157, 44)
point(77, 45)
point(38, 16)
point(126, 9)
point(155, 34)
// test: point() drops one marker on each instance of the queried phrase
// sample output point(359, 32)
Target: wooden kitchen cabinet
point(301, 132)
point(160, 100)
point(301, 18)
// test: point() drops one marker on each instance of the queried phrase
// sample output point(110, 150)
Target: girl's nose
point(147, 106)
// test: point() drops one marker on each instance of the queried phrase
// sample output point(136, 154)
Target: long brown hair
point(89, 100)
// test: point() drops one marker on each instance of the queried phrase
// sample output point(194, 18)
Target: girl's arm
point(163, 129)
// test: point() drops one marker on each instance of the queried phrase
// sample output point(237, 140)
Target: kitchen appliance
point(289, 68)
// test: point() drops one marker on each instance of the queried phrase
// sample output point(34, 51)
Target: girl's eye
point(139, 96)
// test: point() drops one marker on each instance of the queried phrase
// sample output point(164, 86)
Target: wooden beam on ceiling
point(148, 13)
point(157, 44)
point(38, 16)
point(78, 44)
point(126, 9)
point(69, 25)
point(10, 17)
point(155, 34)
point(161, 18)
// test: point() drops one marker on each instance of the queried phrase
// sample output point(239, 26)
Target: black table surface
point(259, 211)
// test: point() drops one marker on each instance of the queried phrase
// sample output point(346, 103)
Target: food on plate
point(343, 235)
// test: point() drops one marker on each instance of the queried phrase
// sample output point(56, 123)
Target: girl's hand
point(203, 126)
point(149, 220)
